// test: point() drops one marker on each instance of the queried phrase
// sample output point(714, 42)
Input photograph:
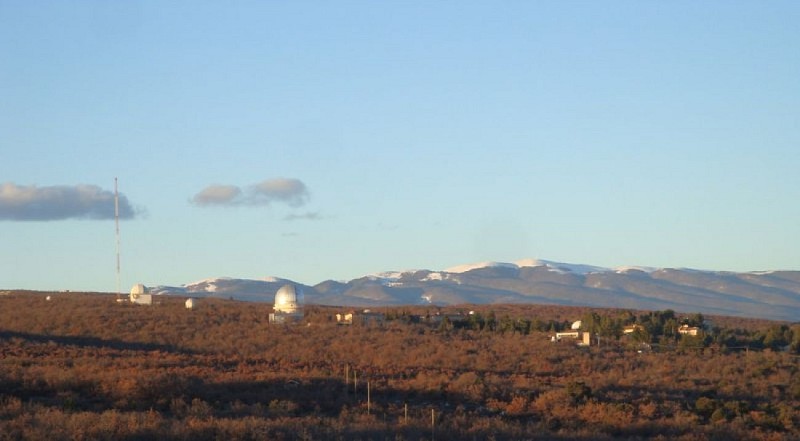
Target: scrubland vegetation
point(82, 366)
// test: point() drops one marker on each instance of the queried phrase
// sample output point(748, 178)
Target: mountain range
point(766, 294)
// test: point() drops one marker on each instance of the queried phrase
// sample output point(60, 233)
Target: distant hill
point(771, 294)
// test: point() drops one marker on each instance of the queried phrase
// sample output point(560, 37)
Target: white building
point(583, 338)
point(344, 319)
point(365, 317)
point(288, 305)
point(688, 330)
point(140, 295)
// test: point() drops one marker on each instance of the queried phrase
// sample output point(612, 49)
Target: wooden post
point(355, 383)
point(368, 398)
point(746, 356)
point(405, 413)
point(433, 425)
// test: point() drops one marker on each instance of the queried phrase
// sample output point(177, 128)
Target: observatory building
point(288, 305)
point(140, 295)
point(584, 338)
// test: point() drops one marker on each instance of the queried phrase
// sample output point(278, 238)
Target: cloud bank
point(61, 202)
point(292, 192)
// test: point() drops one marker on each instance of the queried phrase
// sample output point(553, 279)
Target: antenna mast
point(116, 221)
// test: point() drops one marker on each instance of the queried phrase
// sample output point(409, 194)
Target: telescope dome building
point(140, 295)
point(288, 304)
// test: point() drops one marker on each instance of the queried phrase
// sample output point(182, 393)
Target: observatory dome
point(138, 289)
point(140, 294)
point(289, 299)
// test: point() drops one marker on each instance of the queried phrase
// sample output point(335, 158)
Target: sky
point(316, 140)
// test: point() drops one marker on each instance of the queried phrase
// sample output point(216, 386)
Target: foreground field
point(84, 367)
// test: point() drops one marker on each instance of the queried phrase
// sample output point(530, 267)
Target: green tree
point(670, 329)
point(696, 319)
point(777, 337)
point(445, 324)
point(590, 322)
point(491, 321)
point(524, 326)
point(506, 324)
point(640, 335)
point(476, 322)
point(691, 342)
point(795, 340)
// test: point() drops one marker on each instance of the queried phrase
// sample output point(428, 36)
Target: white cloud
point(32, 203)
point(218, 195)
point(292, 192)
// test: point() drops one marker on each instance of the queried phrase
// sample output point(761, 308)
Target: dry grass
point(83, 367)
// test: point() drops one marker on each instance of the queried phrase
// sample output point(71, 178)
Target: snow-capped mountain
point(772, 294)
point(262, 290)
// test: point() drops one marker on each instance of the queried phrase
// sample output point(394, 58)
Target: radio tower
point(116, 221)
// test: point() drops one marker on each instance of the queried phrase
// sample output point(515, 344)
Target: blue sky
point(328, 140)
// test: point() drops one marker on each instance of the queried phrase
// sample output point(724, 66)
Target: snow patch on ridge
point(440, 276)
point(563, 268)
point(558, 267)
point(208, 281)
point(627, 269)
point(387, 275)
point(389, 278)
point(434, 276)
point(473, 266)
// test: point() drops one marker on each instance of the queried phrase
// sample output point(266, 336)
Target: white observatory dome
point(138, 289)
point(289, 299)
point(141, 295)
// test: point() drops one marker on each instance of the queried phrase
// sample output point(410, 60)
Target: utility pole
point(116, 222)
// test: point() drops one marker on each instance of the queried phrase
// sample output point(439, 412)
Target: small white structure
point(365, 317)
point(140, 295)
point(189, 303)
point(344, 319)
point(288, 305)
point(568, 334)
point(576, 325)
point(630, 329)
point(688, 330)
